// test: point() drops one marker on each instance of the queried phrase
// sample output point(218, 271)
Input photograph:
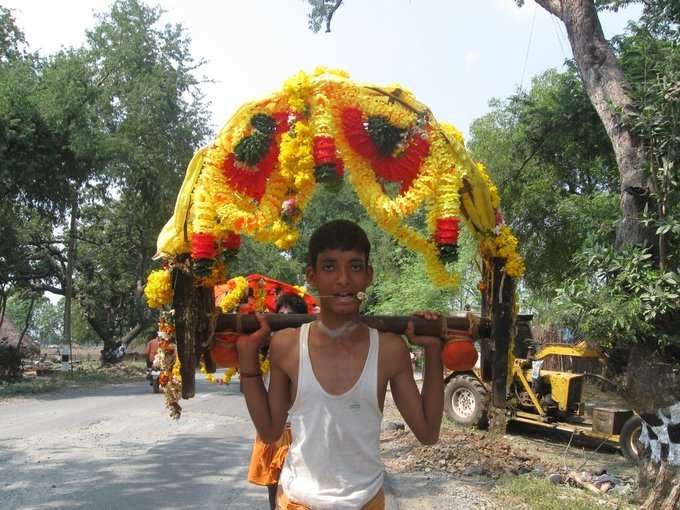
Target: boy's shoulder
point(392, 344)
point(285, 337)
point(283, 347)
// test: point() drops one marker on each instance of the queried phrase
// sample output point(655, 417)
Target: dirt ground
point(465, 467)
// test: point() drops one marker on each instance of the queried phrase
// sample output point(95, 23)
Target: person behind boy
point(330, 377)
point(267, 458)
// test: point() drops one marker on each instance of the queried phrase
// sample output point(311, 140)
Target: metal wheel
point(465, 400)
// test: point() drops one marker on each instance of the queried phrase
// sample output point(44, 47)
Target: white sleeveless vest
point(334, 461)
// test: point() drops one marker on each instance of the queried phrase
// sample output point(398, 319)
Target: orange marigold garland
point(167, 361)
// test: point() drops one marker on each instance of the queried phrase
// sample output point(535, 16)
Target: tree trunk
point(3, 305)
point(659, 484)
point(501, 323)
point(27, 324)
point(605, 85)
point(68, 277)
point(652, 387)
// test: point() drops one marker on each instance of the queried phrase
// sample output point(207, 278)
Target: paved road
point(115, 448)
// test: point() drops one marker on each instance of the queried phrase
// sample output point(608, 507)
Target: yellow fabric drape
point(171, 240)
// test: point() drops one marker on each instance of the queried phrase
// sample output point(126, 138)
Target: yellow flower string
point(158, 289)
point(232, 298)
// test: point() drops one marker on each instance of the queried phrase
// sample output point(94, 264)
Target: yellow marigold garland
point(231, 299)
point(316, 101)
point(158, 289)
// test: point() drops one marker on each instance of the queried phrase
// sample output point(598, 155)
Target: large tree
point(156, 119)
point(94, 143)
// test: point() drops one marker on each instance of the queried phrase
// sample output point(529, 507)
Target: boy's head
point(338, 267)
point(342, 235)
point(290, 303)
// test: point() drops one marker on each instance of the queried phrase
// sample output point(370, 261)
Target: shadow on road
point(194, 472)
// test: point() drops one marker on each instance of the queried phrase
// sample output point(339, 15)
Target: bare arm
point(267, 409)
point(423, 410)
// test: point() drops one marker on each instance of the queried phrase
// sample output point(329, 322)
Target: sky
point(455, 55)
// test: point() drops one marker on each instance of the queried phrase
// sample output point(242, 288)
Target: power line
point(526, 57)
point(558, 35)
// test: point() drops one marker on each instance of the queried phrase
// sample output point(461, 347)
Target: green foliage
point(12, 41)
point(385, 136)
point(652, 64)
point(108, 127)
point(155, 119)
point(322, 12)
point(558, 180)
point(552, 161)
point(620, 298)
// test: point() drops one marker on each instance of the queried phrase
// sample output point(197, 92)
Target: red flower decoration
point(251, 181)
point(231, 242)
point(202, 246)
point(403, 168)
point(281, 119)
point(357, 136)
point(447, 231)
point(324, 150)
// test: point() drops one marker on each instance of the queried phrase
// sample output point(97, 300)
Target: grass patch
point(86, 376)
point(524, 492)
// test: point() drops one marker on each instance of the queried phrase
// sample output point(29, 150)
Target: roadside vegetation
point(530, 493)
point(88, 375)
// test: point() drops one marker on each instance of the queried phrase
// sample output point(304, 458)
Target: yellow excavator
point(546, 398)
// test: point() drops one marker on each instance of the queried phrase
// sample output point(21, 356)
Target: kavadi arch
point(259, 173)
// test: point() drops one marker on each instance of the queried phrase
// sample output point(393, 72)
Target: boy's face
point(338, 276)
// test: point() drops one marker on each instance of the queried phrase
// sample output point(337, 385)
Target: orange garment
point(152, 349)
point(283, 503)
point(267, 460)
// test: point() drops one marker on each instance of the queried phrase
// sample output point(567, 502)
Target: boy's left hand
point(424, 341)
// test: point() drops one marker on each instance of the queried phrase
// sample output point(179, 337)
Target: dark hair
point(338, 235)
point(291, 301)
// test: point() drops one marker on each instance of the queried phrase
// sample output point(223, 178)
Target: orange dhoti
point(267, 460)
point(283, 503)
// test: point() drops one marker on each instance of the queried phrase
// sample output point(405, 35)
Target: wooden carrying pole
point(247, 323)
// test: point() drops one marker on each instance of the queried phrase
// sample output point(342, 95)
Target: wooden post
point(484, 333)
point(193, 308)
point(503, 294)
point(184, 335)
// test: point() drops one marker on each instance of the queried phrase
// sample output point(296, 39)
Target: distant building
point(10, 335)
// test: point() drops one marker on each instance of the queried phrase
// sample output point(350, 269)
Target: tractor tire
point(629, 439)
point(465, 400)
